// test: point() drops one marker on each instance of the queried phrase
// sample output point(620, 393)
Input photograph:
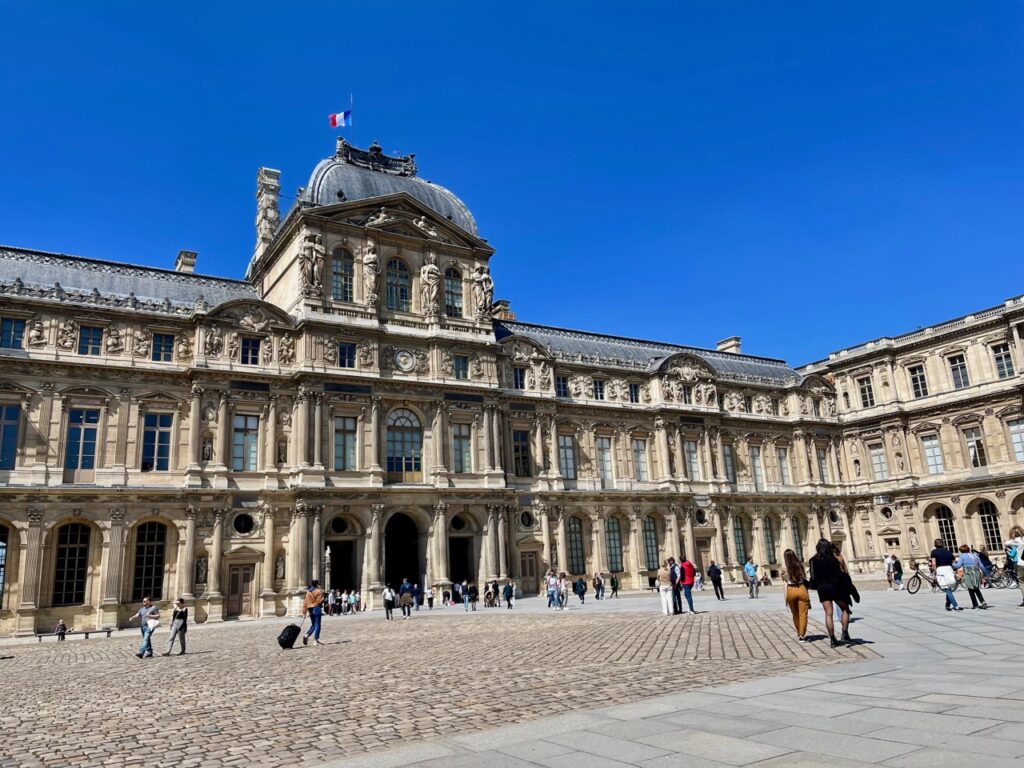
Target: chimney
point(731, 345)
point(502, 310)
point(186, 262)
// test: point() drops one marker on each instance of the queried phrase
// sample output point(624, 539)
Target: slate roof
point(616, 351)
point(40, 272)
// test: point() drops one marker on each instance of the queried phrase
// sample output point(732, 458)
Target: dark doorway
point(401, 551)
point(459, 555)
point(343, 565)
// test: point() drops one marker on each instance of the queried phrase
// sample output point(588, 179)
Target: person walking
point(552, 584)
point(179, 627)
point(598, 584)
point(897, 572)
point(698, 581)
point(1015, 556)
point(828, 578)
point(388, 596)
point(148, 617)
point(353, 601)
point(664, 584)
point(687, 576)
point(887, 562)
point(474, 595)
point(417, 596)
point(986, 564)
point(797, 599)
point(971, 564)
point(673, 575)
point(942, 565)
point(563, 591)
point(615, 585)
point(430, 598)
point(405, 601)
point(332, 603)
point(464, 591)
point(581, 589)
point(750, 570)
point(715, 574)
point(456, 592)
point(312, 606)
point(508, 592)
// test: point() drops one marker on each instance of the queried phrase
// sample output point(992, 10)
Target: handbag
point(945, 577)
point(153, 624)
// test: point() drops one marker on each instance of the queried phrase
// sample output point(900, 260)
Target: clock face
point(404, 361)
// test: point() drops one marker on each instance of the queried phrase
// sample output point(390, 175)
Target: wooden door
point(240, 578)
point(528, 568)
point(703, 554)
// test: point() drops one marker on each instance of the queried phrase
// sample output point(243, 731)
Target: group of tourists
point(675, 580)
point(148, 617)
point(344, 602)
point(828, 575)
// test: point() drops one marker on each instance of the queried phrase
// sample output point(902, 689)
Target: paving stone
point(723, 749)
point(838, 745)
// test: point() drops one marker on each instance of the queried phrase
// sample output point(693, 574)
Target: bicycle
point(1004, 577)
point(914, 583)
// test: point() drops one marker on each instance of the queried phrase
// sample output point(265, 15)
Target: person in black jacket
point(179, 627)
point(715, 574)
point(833, 586)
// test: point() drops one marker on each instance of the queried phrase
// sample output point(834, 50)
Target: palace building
point(359, 408)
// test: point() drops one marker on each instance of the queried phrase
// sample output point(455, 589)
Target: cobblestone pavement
point(237, 699)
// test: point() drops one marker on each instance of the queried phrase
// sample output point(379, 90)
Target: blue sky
point(805, 175)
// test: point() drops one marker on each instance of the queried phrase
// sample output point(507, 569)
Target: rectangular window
point(755, 467)
point(10, 421)
point(345, 432)
point(730, 464)
point(11, 333)
point(521, 452)
point(822, 464)
point(918, 382)
point(958, 369)
point(933, 454)
point(867, 392)
point(604, 459)
point(462, 448)
point(346, 355)
point(975, 447)
point(650, 543)
point(89, 340)
point(452, 293)
point(687, 394)
point(782, 456)
point(156, 442)
point(1017, 438)
point(460, 366)
point(341, 277)
point(634, 393)
point(150, 543)
point(561, 386)
point(817, 412)
point(250, 351)
point(692, 459)
point(1004, 363)
point(245, 444)
point(71, 568)
point(599, 389)
point(80, 452)
point(518, 378)
point(879, 466)
point(163, 348)
point(567, 457)
point(640, 459)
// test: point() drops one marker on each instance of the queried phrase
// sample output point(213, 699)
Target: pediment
point(818, 384)
point(688, 367)
point(890, 531)
point(253, 316)
point(522, 349)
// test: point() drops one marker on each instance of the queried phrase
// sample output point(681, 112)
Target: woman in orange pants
point(797, 599)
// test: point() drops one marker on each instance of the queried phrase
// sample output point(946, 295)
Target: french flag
point(342, 119)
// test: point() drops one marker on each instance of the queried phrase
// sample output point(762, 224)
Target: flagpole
point(352, 122)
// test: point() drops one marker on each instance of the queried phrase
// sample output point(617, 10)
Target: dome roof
point(357, 174)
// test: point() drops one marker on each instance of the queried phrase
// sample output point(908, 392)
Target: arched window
point(452, 292)
point(989, 517)
point(769, 540)
point(798, 541)
point(613, 538)
point(651, 543)
point(4, 538)
point(404, 446)
point(737, 535)
point(341, 275)
point(150, 546)
point(574, 545)
point(947, 532)
point(72, 564)
point(398, 286)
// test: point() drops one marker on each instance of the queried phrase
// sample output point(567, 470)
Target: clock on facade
point(404, 360)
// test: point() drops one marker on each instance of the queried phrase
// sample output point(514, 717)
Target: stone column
point(488, 439)
point(600, 540)
point(757, 524)
point(215, 599)
point(680, 457)
point(502, 545)
point(376, 513)
point(375, 436)
point(267, 594)
point(664, 471)
point(538, 448)
point(496, 438)
point(443, 575)
point(556, 471)
point(30, 571)
point(187, 568)
point(730, 526)
point(124, 416)
point(302, 427)
point(270, 449)
point(224, 457)
point(545, 537)
point(719, 521)
point(637, 555)
point(42, 451)
point(318, 431)
point(489, 541)
point(318, 550)
point(302, 548)
point(691, 544)
point(720, 457)
point(786, 534)
point(563, 550)
point(112, 567)
point(195, 426)
point(672, 532)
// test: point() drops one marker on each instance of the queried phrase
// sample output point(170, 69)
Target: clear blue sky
point(805, 175)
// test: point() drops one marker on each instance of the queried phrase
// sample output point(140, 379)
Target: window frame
point(462, 447)
point(978, 458)
point(150, 559)
point(1015, 432)
point(346, 443)
point(651, 550)
point(561, 386)
point(398, 285)
point(638, 450)
point(574, 551)
point(343, 279)
point(866, 388)
point(245, 452)
point(634, 391)
point(729, 460)
point(522, 466)
point(460, 367)
point(454, 306)
point(162, 349)
point(567, 456)
point(10, 433)
point(90, 340)
point(756, 467)
point(691, 455)
point(931, 449)
point(347, 354)
point(879, 467)
point(70, 579)
point(1003, 361)
point(604, 449)
point(918, 380)
point(613, 544)
point(959, 375)
point(153, 448)
point(12, 335)
point(782, 459)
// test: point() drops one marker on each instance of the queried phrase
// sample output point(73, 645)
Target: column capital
point(35, 515)
point(225, 395)
point(197, 389)
point(218, 514)
point(191, 512)
point(376, 511)
point(117, 514)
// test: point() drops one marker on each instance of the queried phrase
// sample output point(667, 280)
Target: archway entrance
point(460, 551)
point(401, 550)
point(343, 564)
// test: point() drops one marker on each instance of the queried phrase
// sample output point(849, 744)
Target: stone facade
point(360, 409)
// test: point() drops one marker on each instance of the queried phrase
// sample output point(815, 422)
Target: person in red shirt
point(686, 579)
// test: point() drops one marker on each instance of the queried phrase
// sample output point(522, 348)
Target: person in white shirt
point(1015, 555)
point(888, 571)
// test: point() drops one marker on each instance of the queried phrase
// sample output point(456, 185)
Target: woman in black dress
point(832, 584)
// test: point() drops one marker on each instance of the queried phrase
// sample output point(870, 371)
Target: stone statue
point(214, 343)
point(268, 215)
point(207, 451)
point(141, 346)
point(365, 353)
point(115, 342)
point(267, 351)
point(36, 333)
point(233, 346)
point(378, 218)
point(279, 568)
point(282, 452)
point(201, 570)
point(425, 225)
point(900, 464)
point(483, 292)
point(183, 347)
point(913, 540)
point(311, 264)
point(430, 285)
point(371, 274)
point(286, 350)
point(476, 366)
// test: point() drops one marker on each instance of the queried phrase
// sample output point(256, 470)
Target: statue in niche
point(483, 292)
point(214, 343)
point(279, 568)
point(282, 452)
point(371, 274)
point(36, 333)
point(286, 350)
point(115, 342)
point(476, 366)
point(183, 348)
point(233, 345)
point(430, 285)
point(207, 449)
point(900, 464)
point(365, 353)
point(267, 351)
point(913, 540)
point(311, 262)
point(201, 565)
point(141, 346)
point(856, 467)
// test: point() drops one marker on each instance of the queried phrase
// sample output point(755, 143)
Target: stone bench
point(86, 632)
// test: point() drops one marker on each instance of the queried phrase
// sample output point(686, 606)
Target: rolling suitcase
point(289, 635)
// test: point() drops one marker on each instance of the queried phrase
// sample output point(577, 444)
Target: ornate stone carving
point(690, 370)
point(252, 319)
point(67, 334)
point(476, 367)
point(371, 274)
point(447, 363)
point(426, 227)
point(381, 217)
point(140, 347)
point(213, 344)
point(268, 216)
point(35, 516)
point(364, 353)
point(430, 286)
point(279, 568)
point(267, 351)
point(483, 292)
point(36, 333)
point(114, 341)
point(183, 347)
point(734, 402)
point(704, 394)
point(762, 405)
point(422, 364)
point(201, 568)
point(375, 159)
point(311, 264)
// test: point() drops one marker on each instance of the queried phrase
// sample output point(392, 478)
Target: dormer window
point(599, 389)
point(89, 340)
point(518, 378)
point(452, 292)
point(634, 393)
point(250, 351)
